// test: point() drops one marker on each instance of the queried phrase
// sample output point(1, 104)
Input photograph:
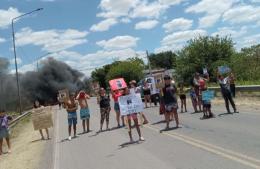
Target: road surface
point(225, 142)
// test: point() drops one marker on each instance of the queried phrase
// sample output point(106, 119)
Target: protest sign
point(117, 84)
point(130, 104)
point(223, 69)
point(208, 95)
point(42, 118)
point(151, 82)
point(63, 95)
point(205, 71)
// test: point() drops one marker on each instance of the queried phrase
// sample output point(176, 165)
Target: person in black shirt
point(104, 103)
point(170, 101)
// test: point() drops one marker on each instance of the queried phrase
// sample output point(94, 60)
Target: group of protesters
point(168, 105)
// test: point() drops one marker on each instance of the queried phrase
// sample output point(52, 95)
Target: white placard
point(152, 85)
point(130, 104)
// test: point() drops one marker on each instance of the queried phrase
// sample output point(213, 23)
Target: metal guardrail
point(16, 120)
point(246, 88)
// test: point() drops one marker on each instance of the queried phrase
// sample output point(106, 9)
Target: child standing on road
point(84, 110)
point(135, 119)
point(182, 93)
point(104, 103)
point(4, 131)
point(71, 107)
point(193, 99)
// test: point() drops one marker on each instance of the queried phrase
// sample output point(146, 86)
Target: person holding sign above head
point(104, 103)
point(84, 110)
point(132, 116)
point(36, 106)
point(170, 101)
point(71, 107)
point(224, 83)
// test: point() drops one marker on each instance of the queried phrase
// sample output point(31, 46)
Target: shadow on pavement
point(169, 129)
point(225, 114)
point(196, 112)
point(127, 144)
point(159, 122)
point(66, 139)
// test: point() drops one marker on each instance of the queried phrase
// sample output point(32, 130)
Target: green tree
point(129, 70)
point(201, 52)
point(166, 60)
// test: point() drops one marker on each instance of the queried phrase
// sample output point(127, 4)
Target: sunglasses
point(168, 78)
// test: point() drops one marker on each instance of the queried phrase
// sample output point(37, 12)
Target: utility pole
point(149, 63)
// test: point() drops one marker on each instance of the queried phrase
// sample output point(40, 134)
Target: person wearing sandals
point(4, 130)
point(170, 101)
point(104, 103)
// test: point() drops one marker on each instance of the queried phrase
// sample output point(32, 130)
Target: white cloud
point(208, 20)
point(242, 14)
point(119, 42)
point(146, 24)
point(6, 16)
point(213, 10)
point(230, 31)
point(18, 60)
point(103, 25)
point(125, 20)
point(51, 40)
point(250, 40)
point(115, 9)
point(2, 40)
point(171, 2)
point(182, 36)
point(178, 24)
point(148, 10)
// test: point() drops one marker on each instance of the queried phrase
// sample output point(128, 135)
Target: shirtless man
point(84, 110)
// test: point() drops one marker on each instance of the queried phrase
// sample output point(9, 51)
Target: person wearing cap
point(135, 90)
point(71, 107)
point(170, 100)
point(84, 110)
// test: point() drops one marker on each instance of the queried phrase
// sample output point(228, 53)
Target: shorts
point(84, 114)
point(170, 107)
point(116, 107)
point(206, 104)
point(132, 116)
point(72, 118)
point(182, 96)
point(4, 133)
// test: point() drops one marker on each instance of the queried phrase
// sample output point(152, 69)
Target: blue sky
point(90, 33)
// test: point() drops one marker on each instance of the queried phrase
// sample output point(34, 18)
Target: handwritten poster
point(42, 118)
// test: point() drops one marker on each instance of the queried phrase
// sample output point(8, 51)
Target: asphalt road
point(225, 142)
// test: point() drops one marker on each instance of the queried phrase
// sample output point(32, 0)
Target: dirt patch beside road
point(27, 149)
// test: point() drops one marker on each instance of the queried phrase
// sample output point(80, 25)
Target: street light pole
point(149, 63)
point(15, 58)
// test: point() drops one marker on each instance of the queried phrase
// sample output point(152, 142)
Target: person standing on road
point(193, 99)
point(135, 119)
point(71, 107)
point(137, 90)
point(147, 94)
point(182, 93)
point(84, 110)
point(4, 130)
point(196, 84)
point(226, 93)
point(104, 103)
point(232, 84)
point(116, 94)
point(170, 101)
point(36, 106)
